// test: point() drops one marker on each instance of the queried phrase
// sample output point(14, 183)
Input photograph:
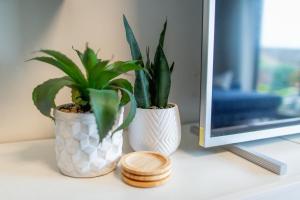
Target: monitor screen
point(256, 65)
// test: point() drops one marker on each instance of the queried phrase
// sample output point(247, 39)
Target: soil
point(168, 106)
point(71, 108)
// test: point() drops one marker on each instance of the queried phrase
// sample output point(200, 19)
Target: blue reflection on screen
point(256, 81)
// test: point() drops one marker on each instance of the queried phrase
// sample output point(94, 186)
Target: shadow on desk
point(42, 152)
point(190, 144)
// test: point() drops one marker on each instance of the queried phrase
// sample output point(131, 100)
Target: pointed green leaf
point(101, 64)
point(96, 71)
point(162, 80)
point(161, 74)
point(123, 67)
point(134, 47)
point(104, 77)
point(122, 83)
point(132, 111)
point(160, 43)
point(89, 60)
point(80, 55)
point(114, 70)
point(60, 57)
point(64, 63)
point(44, 94)
point(172, 67)
point(141, 89)
point(147, 68)
point(152, 83)
point(141, 86)
point(105, 106)
point(162, 35)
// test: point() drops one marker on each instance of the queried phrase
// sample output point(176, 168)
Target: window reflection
point(256, 79)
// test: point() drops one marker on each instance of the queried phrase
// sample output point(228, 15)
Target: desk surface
point(28, 171)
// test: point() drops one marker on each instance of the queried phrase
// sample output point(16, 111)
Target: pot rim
point(70, 113)
point(174, 105)
point(86, 114)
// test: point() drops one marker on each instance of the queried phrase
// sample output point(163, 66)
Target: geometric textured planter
point(155, 130)
point(78, 152)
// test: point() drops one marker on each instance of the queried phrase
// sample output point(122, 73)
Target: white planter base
point(102, 172)
point(78, 152)
point(156, 130)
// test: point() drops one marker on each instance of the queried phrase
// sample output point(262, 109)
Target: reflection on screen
point(256, 82)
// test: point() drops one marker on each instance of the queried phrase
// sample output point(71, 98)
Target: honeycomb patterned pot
point(156, 130)
point(77, 148)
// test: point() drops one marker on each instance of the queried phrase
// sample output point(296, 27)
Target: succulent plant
point(98, 91)
point(153, 82)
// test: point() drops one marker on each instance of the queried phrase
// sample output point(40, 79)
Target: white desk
point(28, 171)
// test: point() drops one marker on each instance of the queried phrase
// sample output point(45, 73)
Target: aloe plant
point(98, 91)
point(153, 82)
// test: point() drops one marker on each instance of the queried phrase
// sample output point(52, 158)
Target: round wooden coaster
point(144, 184)
point(146, 178)
point(145, 163)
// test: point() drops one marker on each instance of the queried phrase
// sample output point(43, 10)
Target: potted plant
point(156, 126)
point(88, 131)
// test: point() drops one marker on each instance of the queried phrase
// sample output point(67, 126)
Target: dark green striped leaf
point(141, 86)
point(162, 80)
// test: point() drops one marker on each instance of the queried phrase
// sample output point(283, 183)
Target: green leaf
point(131, 112)
point(123, 67)
point(44, 94)
point(172, 67)
point(69, 70)
point(78, 98)
point(86, 61)
point(141, 86)
point(105, 105)
point(101, 64)
point(80, 55)
point(96, 71)
point(134, 47)
point(162, 80)
point(161, 74)
point(162, 35)
point(141, 89)
point(122, 83)
point(148, 69)
point(160, 43)
point(152, 83)
point(112, 71)
point(76, 72)
point(89, 60)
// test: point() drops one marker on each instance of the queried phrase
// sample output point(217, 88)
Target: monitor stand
point(258, 158)
point(255, 157)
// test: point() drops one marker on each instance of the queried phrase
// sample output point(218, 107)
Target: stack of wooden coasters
point(145, 169)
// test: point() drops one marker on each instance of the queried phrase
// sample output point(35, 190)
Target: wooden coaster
point(145, 178)
point(145, 163)
point(144, 184)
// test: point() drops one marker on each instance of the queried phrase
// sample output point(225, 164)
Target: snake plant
point(98, 91)
point(153, 82)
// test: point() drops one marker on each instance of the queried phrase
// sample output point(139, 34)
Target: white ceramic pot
point(77, 147)
point(156, 130)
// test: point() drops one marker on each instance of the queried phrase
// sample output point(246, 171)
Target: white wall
point(29, 25)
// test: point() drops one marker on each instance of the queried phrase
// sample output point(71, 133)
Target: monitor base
point(255, 157)
point(258, 158)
